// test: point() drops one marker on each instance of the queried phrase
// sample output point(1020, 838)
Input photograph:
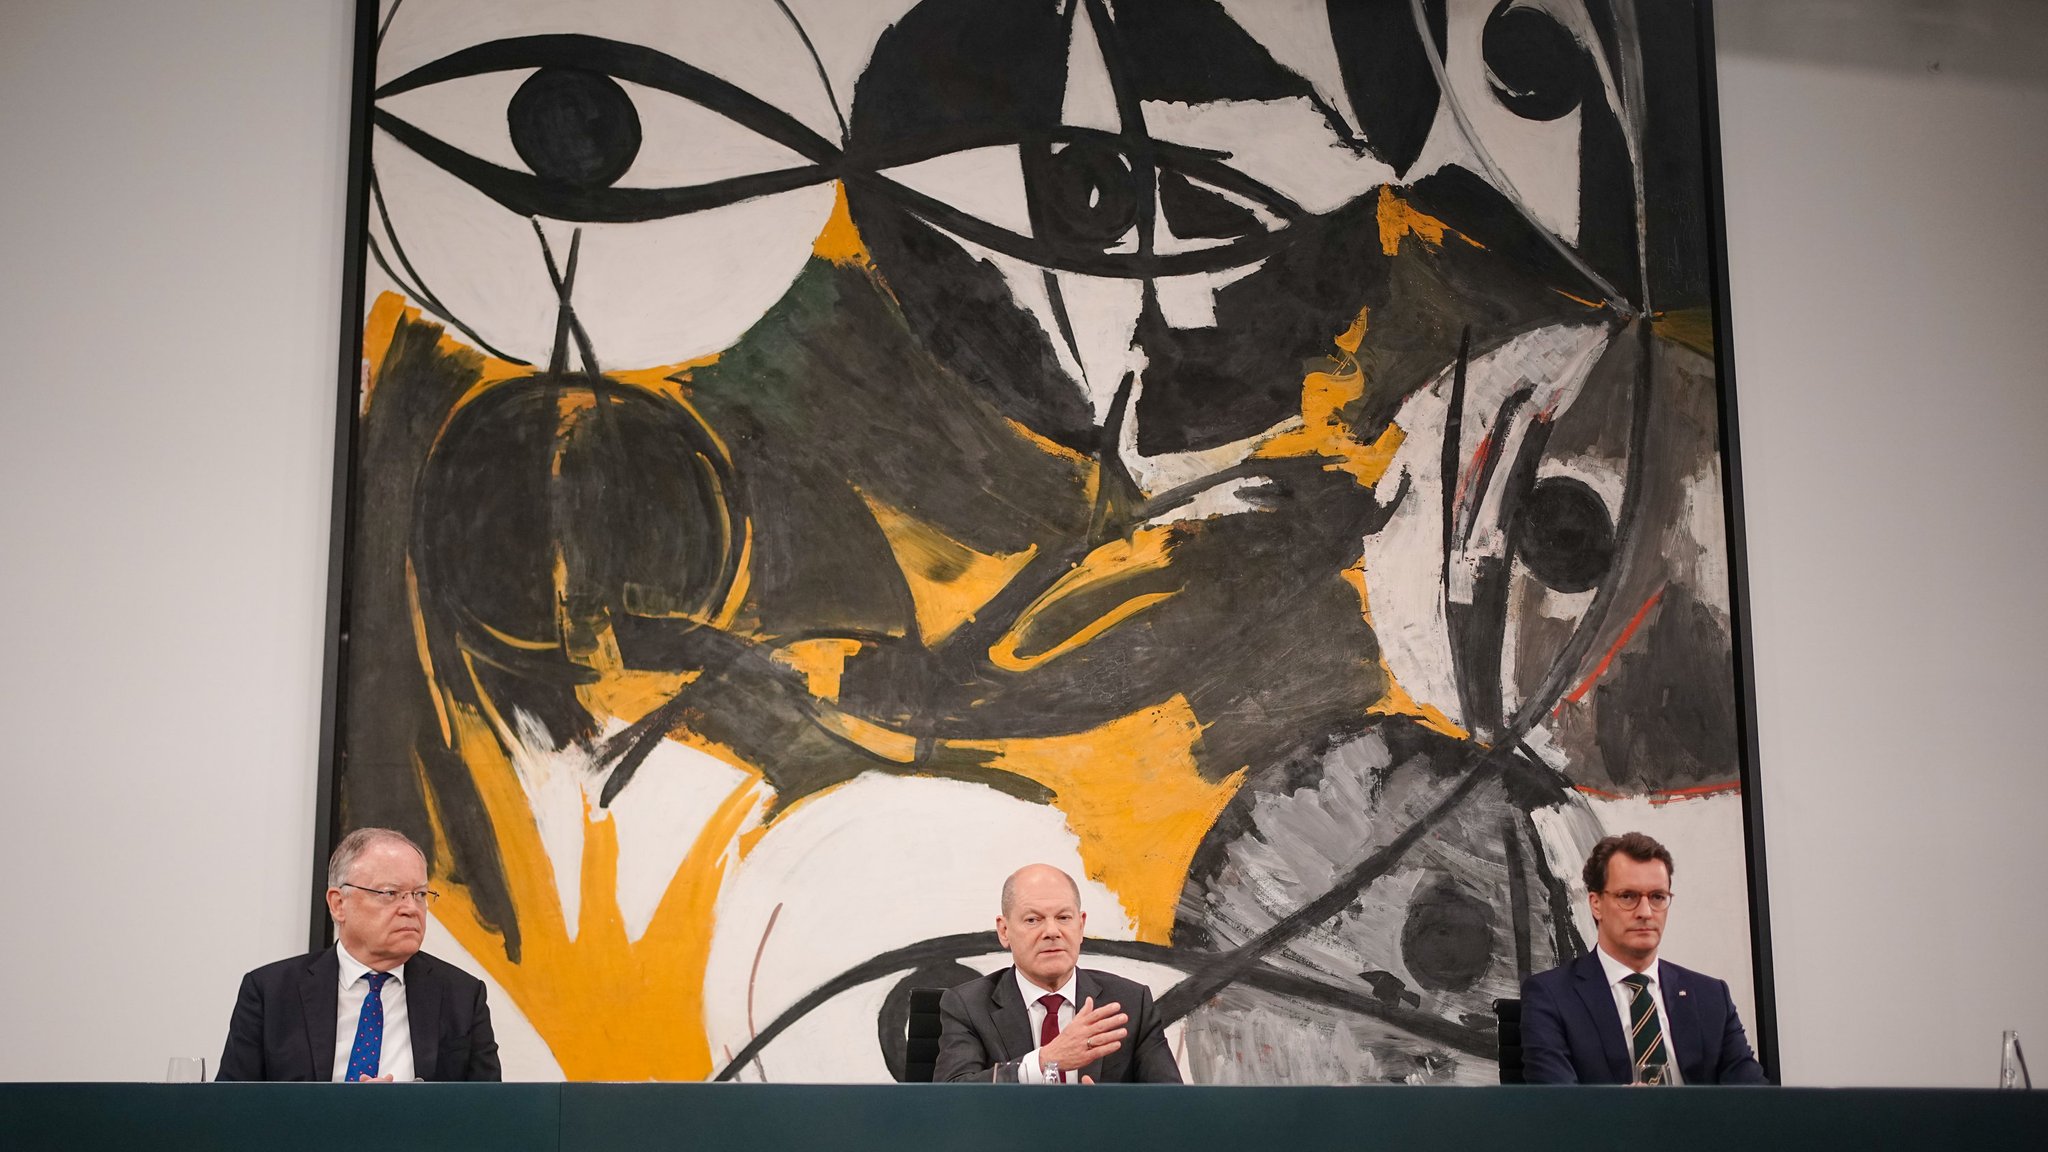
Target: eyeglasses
point(1628, 900)
point(388, 896)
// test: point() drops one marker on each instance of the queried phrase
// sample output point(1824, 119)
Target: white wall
point(1888, 258)
point(170, 257)
point(170, 218)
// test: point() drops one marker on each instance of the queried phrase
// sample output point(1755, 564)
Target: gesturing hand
point(1094, 1033)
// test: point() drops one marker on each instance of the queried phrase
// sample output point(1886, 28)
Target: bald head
point(1032, 874)
point(1042, 924)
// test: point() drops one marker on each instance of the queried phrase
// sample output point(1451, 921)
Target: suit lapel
point(423, 1015)
point(319, 995)
point(1591, 980)
point(1013, 1023)
point(1086, 988)
point(1687, 1044)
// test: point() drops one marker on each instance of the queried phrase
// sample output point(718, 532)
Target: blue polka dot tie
point(369, 1045)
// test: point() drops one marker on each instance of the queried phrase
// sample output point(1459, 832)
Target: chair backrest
point(1507, 1015)
point(921, 1049)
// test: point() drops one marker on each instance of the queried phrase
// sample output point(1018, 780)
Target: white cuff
point(1028, 1069)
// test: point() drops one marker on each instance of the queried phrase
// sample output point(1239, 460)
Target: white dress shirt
point(395, 1059)
point(1623, 993)
point(1029, 1071)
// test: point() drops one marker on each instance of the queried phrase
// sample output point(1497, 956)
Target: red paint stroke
point(755, 971)
point(1665, 796)
point(1661, 796)
point(1478, 461)
point(753, 974)
point(1600, 669)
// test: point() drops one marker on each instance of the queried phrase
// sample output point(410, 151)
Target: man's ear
point(1593, 906)
point(334, 904)
point(1002, 932)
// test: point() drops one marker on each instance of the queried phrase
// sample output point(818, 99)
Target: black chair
point(921, 1049)
point(1507, 1015)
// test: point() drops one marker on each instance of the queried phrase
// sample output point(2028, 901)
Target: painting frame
point(353, 373)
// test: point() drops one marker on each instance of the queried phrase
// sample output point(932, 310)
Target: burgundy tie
point(1050, 1030)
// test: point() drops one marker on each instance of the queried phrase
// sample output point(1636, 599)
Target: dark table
point(813, 1118)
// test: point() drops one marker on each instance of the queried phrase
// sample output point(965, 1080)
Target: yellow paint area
point(671, 382)
point(949, 582)
point(1397, 218)
point(1324, 432)
point(631, 693)
point(608, 1007)
point(620, 691)
point(1144, 551)
point(1397, 702)
point(1051, 447)
point(1692, 327)
point(1394, 699)
point(887, 743)
point(1132, 794)
point(840, 241)
point(380, 327)
point(822, 662)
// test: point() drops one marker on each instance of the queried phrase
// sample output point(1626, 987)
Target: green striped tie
point(1645, 1035)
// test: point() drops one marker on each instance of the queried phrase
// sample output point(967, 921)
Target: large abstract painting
point(811, 457)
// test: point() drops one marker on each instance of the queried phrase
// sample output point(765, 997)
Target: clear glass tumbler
point(2012, 1063)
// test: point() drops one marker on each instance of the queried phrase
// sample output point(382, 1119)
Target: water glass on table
point(2012, 1063)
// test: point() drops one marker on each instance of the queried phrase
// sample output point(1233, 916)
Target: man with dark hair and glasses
point(373, 1007)
point(1619, 1015)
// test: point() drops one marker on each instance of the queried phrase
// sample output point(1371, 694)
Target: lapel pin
point(1681, 991)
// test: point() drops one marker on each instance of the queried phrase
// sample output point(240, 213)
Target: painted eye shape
point(1565, 535)
point(596, 131)
point(1535, 66)
point(574, 127)
point(1077, 200)
point(1082, 193)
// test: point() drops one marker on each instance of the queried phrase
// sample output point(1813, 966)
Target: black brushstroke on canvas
point(543, 518)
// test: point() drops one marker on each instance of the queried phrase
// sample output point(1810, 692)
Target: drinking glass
point(2012, 1063)
point(186, 1070)
point(1651, 1075)
point(1007, 1073)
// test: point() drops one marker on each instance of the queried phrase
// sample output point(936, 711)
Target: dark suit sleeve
point(1737, 1064)
point(1152, 1060)
point(483, 1044)
point(1545, 1057)
point(962, 1055)
point(242, 1058)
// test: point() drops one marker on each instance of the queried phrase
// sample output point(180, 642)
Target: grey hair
point(1010, 885)
point(354, 844)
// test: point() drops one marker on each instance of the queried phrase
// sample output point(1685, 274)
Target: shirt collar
point(352, 969)
point(1031, 992)
point(1617, 971)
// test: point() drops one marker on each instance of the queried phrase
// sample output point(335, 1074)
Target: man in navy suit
point(1619, 1015)
point(373, 1007)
